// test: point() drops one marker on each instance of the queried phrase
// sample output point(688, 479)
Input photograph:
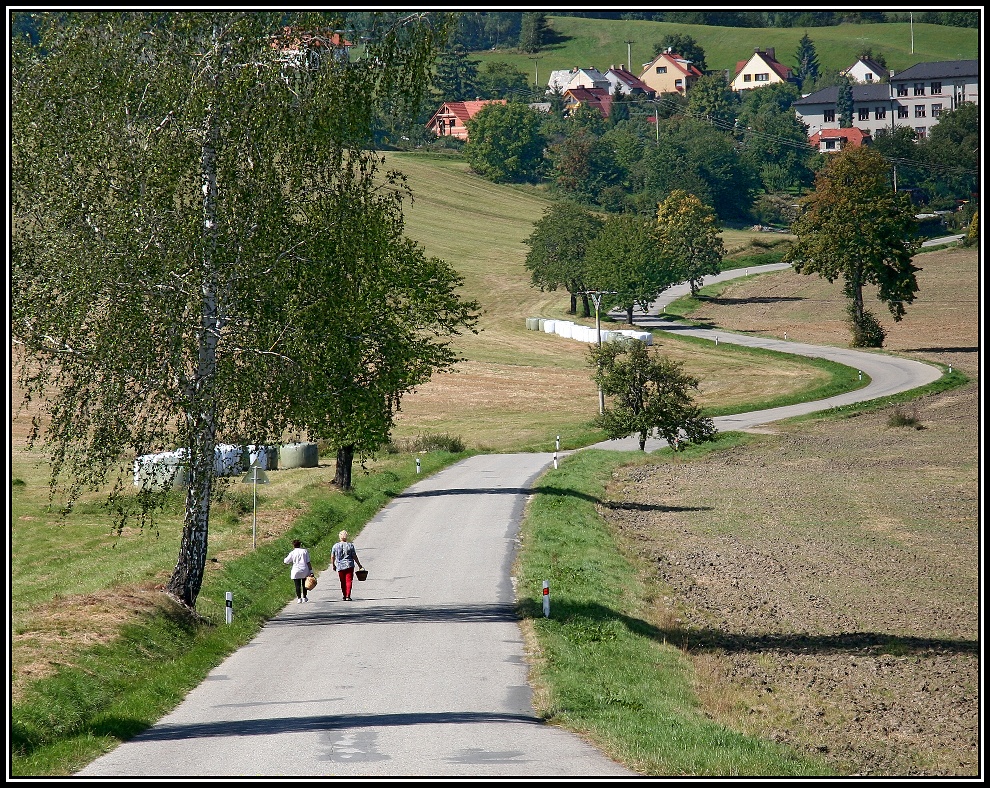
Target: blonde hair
point(343, 536)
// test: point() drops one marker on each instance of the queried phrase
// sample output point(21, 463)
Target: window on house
point(920, 132)
point(919, 111)
point(879, 113)
point(747, 77)
point(902, 90)
point(869, 76)
point(864, 113)
point(679, 84)
point(919, 88)
point(936, 88)
point(902, 112)
point(829, 144)
point(936, 110)
point(762, 77)
point(829, 116)
point(661, 69)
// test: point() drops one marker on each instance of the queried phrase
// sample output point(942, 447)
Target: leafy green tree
point(558, 249)
point(952, 152)
point(807, 61)
point(583, 165)
point(775, 144)
point(498, 79)
point(855, 228)
point(701, 159)
point(711, 98)
point(683, 45)
point(649, 393)
point(505, 143)
point(688, 236)
point(905, 155)
point(624, 258)
point(456, 77)
point(179, 192)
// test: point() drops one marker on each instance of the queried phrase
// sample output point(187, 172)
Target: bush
point(867, 331)
point(900, 419)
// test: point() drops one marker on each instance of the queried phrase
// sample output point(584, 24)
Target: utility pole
point(596, 297)
point(537, 59)
point(912, 32)
point(629, 56)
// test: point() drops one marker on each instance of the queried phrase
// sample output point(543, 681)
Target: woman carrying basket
point(343, 557)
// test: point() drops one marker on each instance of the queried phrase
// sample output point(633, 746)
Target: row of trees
point(204, 249)
point(627, 259)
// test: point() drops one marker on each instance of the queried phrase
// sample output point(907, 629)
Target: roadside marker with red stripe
point(546, 598)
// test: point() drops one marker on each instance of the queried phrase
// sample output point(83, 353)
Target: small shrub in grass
point(18, 483)
point(901, 419)
point(867, 331)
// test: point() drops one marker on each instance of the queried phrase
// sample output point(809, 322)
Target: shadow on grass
point(752, 300)
point(704, 640)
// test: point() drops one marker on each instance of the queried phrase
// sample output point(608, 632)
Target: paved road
point(424, 673)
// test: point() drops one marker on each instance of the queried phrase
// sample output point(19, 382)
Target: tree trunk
point(345, 460)
point(573, 309)
point(642, 441)
point(629, 312)
point(187, 577)
point(587, 305)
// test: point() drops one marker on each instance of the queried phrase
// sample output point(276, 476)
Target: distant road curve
point(888, 374)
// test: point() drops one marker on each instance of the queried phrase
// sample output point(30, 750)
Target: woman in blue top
point(343, 557)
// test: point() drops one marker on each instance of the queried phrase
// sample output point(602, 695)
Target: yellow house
point(668, 72)
point(760, 70)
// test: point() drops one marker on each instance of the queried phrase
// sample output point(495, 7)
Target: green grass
point(607, 670)
point(109, 692)
point(601, 43)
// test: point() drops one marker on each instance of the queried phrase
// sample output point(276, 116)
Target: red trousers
point(346, 580)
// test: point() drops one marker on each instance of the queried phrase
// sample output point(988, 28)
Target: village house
point(834, 140)
point(450, 120)
point(865, 72)
point(668, 72)
point(761, 69)
point(598, 98)
point(298, 48)
point(628, 84)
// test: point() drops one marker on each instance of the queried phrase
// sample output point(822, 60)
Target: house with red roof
point(622, 81)
point(598, 98)
point(451, 119)
point(310, 48)
point(668, 72)
point(760, 70)
point(834, 140)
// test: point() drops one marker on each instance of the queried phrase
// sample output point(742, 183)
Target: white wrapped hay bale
point(161, 471)
point(563, 328)
point(548, 326)
point(228, 459)
point(298, 455)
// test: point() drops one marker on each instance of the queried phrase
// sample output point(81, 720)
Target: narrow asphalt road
point(424, 673)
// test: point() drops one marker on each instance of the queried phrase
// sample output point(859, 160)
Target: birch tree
point(172, 177)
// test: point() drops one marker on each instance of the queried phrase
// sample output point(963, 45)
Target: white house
point(761, 69)
point(865, 72)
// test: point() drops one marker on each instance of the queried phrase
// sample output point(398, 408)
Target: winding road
point(424, 673)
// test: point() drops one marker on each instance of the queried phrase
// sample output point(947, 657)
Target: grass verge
point(605, 660)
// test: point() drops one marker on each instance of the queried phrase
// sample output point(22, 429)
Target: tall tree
point(688, 236)
point(711, 98)
point(854, 227)
point(624, 258)
point(558, 249)
point(505, 142)
point(583, 165)
point(456, 77)
point(535, 31)
point(649, 393)
point(844, 104)
point(171, 175)
point(807, 60)
point(500, 80)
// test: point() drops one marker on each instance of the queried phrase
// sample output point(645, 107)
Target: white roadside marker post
point(546, 599)
point(417, 466)
point(230, 606)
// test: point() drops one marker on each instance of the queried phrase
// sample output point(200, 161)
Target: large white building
point(914, 97)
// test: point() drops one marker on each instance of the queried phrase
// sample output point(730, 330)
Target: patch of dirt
point(826, 577)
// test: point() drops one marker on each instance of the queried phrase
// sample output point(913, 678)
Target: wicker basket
point(361, 574)
point(310, 582)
